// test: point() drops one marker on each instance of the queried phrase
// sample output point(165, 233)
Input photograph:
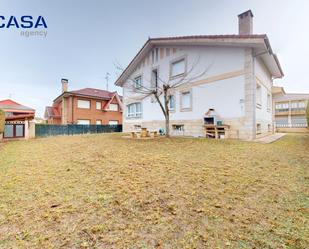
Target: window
point(98, 105)
point(258, 129)
point(294, 105)
point(282, 107)
point(84, 104)
point(268, 102)
point(134, 110)
point(178, 127)
point(178, 68)
point(302, 105)
point(154, 78)
point(298, 105)
point(186, 100)
point(113, 107)
point(138, 82)
point(258, 95)
point(98, 122)
point(113, 122)
point(172, 103)
point(83, 121)
point(157, 54)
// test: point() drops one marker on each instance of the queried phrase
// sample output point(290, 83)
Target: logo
point(25, 22)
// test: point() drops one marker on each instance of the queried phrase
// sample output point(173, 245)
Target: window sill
point(132, 118)
point(177, 76)
point(186, 109)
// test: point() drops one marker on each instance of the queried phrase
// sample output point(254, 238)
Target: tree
point(161, 89)
point(307, 113)
point(2, 121)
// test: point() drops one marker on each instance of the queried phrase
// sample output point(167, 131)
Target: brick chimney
point(245, 23)
point(64, 83)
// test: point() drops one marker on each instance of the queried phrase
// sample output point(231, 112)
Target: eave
point(259, 43)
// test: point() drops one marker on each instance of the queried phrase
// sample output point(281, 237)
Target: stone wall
point(194, 128)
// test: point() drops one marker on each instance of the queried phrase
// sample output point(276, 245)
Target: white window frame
point(98, 105)
point(82, 106)
point(134, 113)
point(268, 102)
point(113, 122)
point(81, 122)
point(115, 107)
point(185, 108)
point(258, 96)
point(98, 122)
point(174, 62)
point(172, 109)
point(136, 84)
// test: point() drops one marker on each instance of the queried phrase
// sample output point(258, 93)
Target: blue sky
point(85, 38)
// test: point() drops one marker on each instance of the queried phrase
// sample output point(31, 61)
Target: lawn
point(104, 191)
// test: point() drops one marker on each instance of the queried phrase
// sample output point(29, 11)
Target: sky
point(86, 38)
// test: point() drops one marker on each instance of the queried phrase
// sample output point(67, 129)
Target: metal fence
point(44, 130)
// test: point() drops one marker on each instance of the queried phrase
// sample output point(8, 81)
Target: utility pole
point(107, 78)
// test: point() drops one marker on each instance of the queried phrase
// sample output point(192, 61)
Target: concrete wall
point(264, 115)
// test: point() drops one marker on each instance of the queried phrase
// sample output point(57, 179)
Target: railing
point(295, 125)
point(43, 130)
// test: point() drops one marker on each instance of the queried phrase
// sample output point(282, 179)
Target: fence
point(43, 130)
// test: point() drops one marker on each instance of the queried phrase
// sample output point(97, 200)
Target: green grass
point(104, 191)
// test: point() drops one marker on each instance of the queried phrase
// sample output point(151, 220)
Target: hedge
point(2, 121)
point(307, 111)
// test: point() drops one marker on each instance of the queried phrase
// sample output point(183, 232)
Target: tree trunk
point(167, 111)
point(167, 126)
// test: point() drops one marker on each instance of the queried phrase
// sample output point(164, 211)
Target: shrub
point(307, 113)
point(2, 121)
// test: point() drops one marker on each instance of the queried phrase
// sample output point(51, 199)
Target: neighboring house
point(290, 110)
point(237, 84)
point(85, 106)
point(17, 120)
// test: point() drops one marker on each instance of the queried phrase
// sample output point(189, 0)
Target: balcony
point(282, 112)
point(298, 111)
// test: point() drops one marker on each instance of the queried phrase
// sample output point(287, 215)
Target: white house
point(239, 72)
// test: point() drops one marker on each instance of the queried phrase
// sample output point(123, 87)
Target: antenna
point(107, 78)
point(10, 95)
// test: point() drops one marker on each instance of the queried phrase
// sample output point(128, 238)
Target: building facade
point(236, 81)
point(86, 106)
point(290, 110)
point(18, 120)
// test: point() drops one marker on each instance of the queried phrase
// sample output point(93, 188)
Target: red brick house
point(85, 106)
point(17, 119)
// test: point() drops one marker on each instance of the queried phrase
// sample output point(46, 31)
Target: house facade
point(236, 81)
point(290, 110)
point(18, 120)
point(86, 106)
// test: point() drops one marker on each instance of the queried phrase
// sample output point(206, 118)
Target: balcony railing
point(295, 125)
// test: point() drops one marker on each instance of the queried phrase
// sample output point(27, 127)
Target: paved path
point(270, 138)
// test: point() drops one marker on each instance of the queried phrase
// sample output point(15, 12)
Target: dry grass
point(103, 191)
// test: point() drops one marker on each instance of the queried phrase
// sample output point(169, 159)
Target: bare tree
point(162, 89)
